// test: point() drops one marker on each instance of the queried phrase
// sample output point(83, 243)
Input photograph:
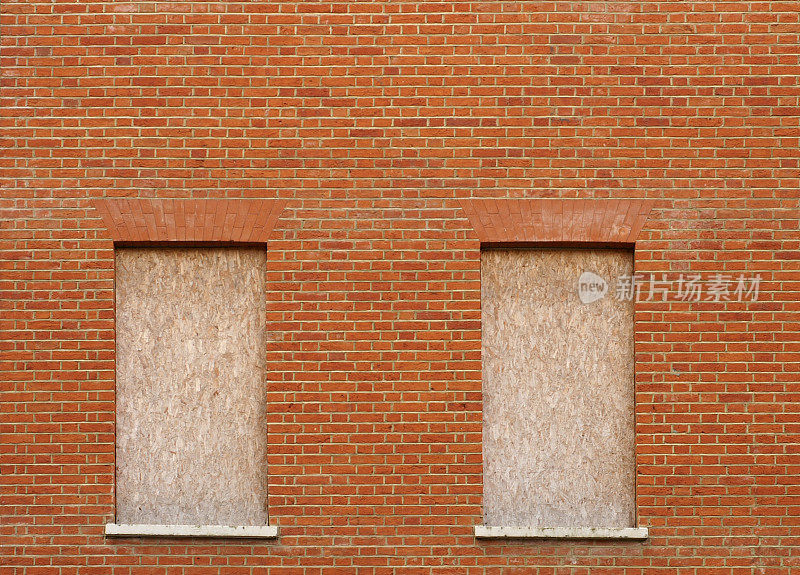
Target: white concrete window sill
point(146, 530)
point(498, 532)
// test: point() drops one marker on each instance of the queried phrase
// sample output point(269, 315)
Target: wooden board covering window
point(557, 390)
point(191, 396)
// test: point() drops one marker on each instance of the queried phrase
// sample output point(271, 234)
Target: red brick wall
point(371, 119)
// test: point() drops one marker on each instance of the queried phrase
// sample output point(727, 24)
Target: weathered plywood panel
point(191, 396)
point(557, 390)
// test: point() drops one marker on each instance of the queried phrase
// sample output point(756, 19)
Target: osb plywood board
point(191, 395)
point(557, 390)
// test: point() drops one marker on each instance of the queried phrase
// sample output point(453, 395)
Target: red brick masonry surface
point(384, 141)
point(538, 221)
point(213, 222)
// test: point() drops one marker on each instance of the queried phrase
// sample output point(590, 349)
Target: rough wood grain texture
point(191, 395)
point(558, 391)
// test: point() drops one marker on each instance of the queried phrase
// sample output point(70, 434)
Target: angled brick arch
point(141, 221)
point(557, 221)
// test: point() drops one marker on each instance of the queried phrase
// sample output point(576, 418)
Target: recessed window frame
point(188, 223)
point(539, 222)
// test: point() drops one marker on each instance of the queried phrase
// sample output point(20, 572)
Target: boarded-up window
point(191, 397)
point(558, 390)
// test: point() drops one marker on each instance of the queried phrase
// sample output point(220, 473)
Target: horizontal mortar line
point(393, 105)
point(472, 18)
point(377, 74)
point(444, 150)
point(241, 3)
point(32, 125)
point(575, 182)
point(647, 70)
point(389, 160)
point(384, 19)
point(576, 112)
point(554, 117)
point(450, 51)
point(172, 180)
point(72, 50)
point(449, 57)
point(324, 153)
point(389, 51)
point(392, 30)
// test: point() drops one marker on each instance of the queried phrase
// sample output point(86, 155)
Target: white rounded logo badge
point(591, 287)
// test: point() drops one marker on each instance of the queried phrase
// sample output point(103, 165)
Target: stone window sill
point(499, 532)
point(147, 530)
